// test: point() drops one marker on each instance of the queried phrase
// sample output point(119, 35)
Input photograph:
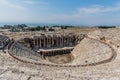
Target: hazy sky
point(81, 12)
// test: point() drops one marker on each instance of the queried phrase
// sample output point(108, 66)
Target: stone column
point(40, 43)
point(44, 42)
point(63, 41)
point(60, 41)
point(52, 42)
point(66, 41)
point(37, 43)
point(69, 41)
point(41, 54)
point(44, 55)
point(34, 43)
point(57, 41)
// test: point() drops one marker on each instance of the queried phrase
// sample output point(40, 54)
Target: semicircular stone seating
point(4, 40)
point(91, 51)
point(21, 52)
point(88, 52)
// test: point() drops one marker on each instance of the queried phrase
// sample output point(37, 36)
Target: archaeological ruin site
point(73, 54)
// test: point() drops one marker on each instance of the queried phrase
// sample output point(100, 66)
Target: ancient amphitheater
point(62, 56)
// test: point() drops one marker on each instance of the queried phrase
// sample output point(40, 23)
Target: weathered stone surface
point(11, 69)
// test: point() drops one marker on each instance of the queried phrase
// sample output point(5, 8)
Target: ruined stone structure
point(93, 58)
point(27, 55)
point(49, 41)
point(54, 52)
point(24, 54)
point(52, 44)
point(3, 41)
point(21, 51)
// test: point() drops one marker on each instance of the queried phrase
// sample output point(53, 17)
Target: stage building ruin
point(52, 44)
